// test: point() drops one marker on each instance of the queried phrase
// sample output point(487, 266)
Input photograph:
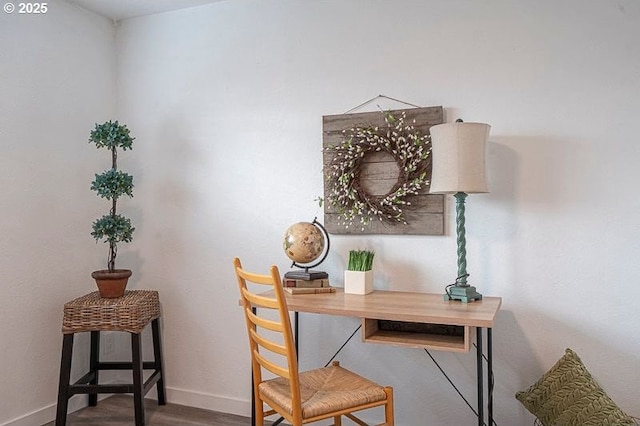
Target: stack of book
point(297, 286)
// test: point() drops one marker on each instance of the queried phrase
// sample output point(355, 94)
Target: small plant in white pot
point(358, 278)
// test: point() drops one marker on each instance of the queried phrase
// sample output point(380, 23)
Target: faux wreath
point(410, 150)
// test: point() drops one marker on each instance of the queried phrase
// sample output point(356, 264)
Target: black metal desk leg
point(295, 332)
point(479, 354)
point(490, 375)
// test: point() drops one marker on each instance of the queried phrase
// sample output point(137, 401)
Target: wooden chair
point(299, 397)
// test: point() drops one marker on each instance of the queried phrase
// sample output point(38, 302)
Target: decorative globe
point(303, 242)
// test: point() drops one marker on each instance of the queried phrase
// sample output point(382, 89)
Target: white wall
point(57, 78)
point(226, 103)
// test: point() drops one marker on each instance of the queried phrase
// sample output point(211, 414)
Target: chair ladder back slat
point(264, 279)
point(271, 366)
point(268, 344)
point(264, 322)
point(259, 301)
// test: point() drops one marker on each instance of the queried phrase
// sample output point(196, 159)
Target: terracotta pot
point(111, 284)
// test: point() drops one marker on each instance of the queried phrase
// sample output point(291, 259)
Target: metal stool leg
point(65, 376)
point(159, 365)
point(136, 365)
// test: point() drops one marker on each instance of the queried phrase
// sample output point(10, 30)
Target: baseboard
point(190, 398)
point(223, 404)
point(48, 413)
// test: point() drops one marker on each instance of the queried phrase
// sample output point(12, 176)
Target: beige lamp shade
point(458, 151)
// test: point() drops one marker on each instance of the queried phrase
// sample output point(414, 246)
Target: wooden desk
point(410, 311)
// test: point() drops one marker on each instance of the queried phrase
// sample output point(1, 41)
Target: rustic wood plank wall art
point(377, 169)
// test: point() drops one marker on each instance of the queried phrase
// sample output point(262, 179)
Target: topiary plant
point(112, 184)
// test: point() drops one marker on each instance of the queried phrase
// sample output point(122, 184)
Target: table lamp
point(458, 151)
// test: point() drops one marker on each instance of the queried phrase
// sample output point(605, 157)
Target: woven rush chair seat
point(131, 312)
point(324, 390)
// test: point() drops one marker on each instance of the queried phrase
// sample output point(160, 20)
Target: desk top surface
point(399, 306)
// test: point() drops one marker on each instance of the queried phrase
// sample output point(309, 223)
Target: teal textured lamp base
point(461, 290)
point(465, 294)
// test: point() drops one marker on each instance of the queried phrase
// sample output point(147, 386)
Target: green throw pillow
point(567, 395)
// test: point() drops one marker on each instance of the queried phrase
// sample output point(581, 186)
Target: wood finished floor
point(117, 410)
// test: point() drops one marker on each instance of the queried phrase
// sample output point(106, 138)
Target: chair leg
point(388, 408)
point(94, 359)
point(159, 366)
point(259, 418)
point(138, 397)
point(65, 376)
point(337, 421)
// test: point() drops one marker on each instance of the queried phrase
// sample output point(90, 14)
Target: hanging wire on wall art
point(379, 107)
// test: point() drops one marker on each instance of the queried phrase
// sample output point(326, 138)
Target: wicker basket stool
point(130, 313)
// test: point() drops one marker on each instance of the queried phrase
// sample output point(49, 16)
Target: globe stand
point(307, 274)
